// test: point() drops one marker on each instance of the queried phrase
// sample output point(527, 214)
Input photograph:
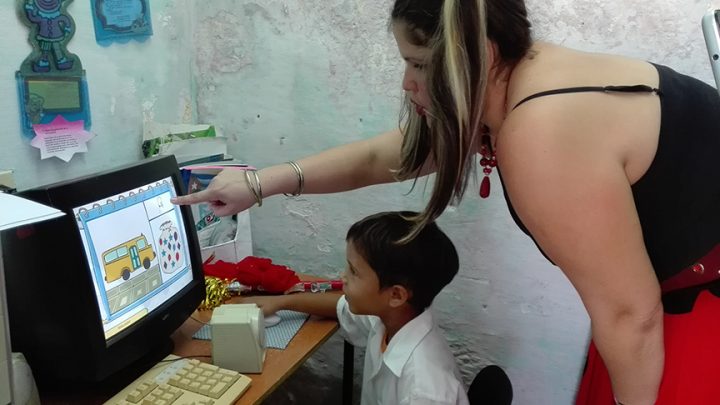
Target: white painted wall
point(127, 83)
point(284, 79)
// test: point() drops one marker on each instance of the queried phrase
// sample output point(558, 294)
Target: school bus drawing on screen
point(123, 259)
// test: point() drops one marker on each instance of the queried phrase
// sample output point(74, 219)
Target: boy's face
point(361, 285)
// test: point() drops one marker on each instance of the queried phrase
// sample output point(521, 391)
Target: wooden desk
point(279, 364)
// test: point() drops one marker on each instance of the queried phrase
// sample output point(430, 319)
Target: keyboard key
point(204, 389)
point(134, 396)
point(218, 390)
point(210, 367)
point(146, 386)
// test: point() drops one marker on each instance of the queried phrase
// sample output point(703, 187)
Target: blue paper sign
point(121, 20)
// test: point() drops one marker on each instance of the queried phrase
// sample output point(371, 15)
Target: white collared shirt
point(417, 368)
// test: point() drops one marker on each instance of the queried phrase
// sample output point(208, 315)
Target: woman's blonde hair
point(457, 81)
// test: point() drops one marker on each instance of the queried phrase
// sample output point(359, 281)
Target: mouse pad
point(276, 337)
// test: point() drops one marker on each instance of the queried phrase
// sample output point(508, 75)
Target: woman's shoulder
point(551, 67)
point(573, 109)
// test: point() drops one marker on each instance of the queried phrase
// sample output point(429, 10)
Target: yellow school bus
point(123, 259)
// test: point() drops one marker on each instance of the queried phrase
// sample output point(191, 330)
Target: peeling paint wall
point(285, 79)
point(127, 83)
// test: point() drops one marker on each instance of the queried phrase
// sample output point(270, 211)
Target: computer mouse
point(272, 320)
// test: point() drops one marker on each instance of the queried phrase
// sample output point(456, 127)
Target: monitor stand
point(92, 391)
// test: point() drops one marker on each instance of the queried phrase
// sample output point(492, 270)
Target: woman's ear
point(493, 54)
point(399, 295)
point(497, 70)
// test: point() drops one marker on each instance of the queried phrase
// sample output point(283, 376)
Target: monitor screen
point(136, 249)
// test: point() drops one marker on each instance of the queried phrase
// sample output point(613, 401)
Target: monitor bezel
point(69, 195)
point(98, 357)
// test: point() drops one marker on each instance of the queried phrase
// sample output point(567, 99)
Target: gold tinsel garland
point(216, 292)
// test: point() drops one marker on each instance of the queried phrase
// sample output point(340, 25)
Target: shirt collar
point(406, 340)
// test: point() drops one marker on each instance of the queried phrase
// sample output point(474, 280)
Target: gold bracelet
point(300, 177)
point(254, 187)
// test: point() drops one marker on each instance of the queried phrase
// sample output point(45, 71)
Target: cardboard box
point(235, 250)
point(7, 181)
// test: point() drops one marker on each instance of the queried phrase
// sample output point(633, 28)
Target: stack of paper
point(16, 211)
point(189, 143)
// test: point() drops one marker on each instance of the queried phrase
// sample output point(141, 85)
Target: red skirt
point(692, 360)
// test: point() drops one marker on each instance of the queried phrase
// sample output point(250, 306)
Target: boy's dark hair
point(424, 265)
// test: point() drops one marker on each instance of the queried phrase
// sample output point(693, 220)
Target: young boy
point(388, 287)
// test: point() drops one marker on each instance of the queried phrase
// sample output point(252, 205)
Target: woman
point(607, 163)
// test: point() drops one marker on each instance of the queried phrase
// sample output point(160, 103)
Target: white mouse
point(272, 320)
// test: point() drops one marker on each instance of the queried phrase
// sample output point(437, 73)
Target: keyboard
point(180, 381)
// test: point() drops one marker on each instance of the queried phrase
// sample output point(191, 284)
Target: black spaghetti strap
point(639, 88)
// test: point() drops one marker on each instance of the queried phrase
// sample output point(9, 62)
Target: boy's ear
point(399, 295)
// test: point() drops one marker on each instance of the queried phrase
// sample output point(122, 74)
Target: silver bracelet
point(300, 177)
point(254, 187)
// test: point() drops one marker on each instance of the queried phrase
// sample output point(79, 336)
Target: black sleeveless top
point(678, 198)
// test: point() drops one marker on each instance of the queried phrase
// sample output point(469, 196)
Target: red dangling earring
point(488, 161)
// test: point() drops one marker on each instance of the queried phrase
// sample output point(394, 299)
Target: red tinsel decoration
point(256, 272)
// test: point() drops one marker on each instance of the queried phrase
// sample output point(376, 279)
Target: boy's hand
point(324, 304)
point(268, 304)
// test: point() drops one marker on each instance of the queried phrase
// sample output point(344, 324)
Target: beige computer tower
point(238, 337)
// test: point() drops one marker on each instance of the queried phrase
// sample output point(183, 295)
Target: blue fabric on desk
point(276, 337)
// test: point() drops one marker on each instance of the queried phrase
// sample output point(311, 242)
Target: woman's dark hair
point(457, 31)
point(423, 265)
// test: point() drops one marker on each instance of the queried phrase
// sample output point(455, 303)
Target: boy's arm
point(355, 328)
point(321, 304)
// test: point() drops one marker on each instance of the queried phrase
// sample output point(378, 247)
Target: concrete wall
point(284, 79)
point(127, 83)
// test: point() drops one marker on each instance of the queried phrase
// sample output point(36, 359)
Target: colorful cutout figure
point(52, 27)
point(51, 80)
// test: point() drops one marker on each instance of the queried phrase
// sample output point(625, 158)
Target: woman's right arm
point(347, 167)
point(342, 168)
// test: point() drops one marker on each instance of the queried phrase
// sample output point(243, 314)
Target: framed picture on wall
point(121, 20)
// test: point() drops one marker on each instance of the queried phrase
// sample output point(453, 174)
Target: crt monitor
point(96, 294)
